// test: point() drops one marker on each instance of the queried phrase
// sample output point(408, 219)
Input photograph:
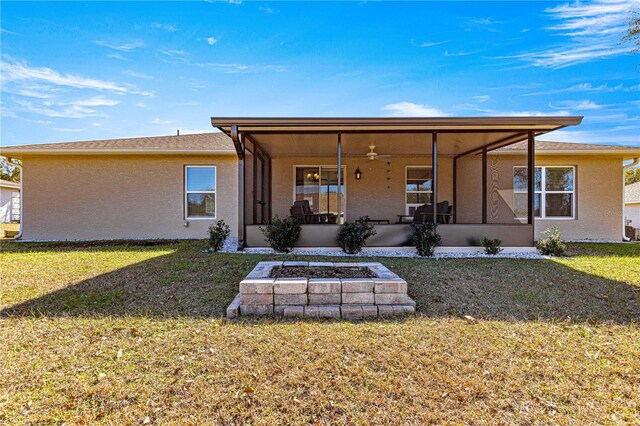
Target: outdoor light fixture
point(358, 173)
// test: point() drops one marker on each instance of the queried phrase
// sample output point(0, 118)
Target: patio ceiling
point(396, 136)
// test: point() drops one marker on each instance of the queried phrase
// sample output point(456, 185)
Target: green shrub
point(282, 234)
point(353, 236)
point(553, 244)
point(425, 238)
point(218, 234)
point(491, 246)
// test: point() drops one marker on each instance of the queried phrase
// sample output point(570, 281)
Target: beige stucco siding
point(114, 197)
point(598, 194)
point(373, 195)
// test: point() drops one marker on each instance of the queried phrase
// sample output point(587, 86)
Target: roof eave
point(21, 153)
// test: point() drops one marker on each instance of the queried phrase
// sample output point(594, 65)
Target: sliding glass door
point(319, 185)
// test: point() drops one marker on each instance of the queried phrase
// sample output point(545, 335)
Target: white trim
point(543, 191)
point(320, 166)
point(214, 192)
point(407, 206)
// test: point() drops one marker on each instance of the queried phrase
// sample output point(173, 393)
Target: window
point(319, 186)
point(200, 192)
point(554, 192)
point(417, 187)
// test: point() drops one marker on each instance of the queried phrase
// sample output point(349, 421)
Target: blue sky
point(84, 70)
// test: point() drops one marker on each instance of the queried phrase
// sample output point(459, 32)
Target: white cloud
point(588, 87)
point(123, 46)
point(428, 43)
point(170, 28)
point(482, 98)
point(607, 136)
point(591, 31)
point(410, 109)
point(96, 101)
point(64, 129)
point(212, 40)
point(117, 56)
point(72, 111)
point(159, 121)
point(20, 72)
point(173, 52)
point(136, 74)
point(266, 9)
point(579, 105)
point(447, 53)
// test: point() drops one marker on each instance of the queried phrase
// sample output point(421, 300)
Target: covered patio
point(393, 170)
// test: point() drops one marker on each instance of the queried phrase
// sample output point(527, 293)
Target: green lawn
point(121, 334)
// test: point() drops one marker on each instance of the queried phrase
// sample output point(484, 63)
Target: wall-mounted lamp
point(358, 174)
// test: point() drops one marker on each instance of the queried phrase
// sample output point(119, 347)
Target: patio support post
point(455, 189)
point(484, 184)
point(434, 181)
point(531, 176)
point(239, 145)
point(339, 175)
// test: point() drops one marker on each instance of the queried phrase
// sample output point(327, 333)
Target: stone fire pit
point(364, 290)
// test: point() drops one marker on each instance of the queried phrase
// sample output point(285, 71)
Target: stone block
point(279, 309)
point(290, 286)
point(358, 298)
point(324, 264)
point(393, 299)
point(345, 264)
point(311, 311)
point(294, 263)
point(290, 299)
point(390, 286)
point(293, 312)
point(357, 285)
point(256, 299)
point(329, 311)
point(324, 285)
point(260, 310)
point(399, 310)
point(257, 286)
point(351, 312)
point(233, 310)
point(369, 311)
point(385, 311)
point(325, 299)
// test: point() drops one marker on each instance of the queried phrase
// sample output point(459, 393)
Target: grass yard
point(120, 334)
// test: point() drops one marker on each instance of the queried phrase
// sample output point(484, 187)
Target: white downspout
point(624, 171)
point(19, 234)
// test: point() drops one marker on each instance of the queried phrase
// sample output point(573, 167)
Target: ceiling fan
point(373, 155)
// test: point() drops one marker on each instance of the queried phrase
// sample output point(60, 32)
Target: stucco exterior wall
point(119, 197)
point(373, 195)
point(598, 194)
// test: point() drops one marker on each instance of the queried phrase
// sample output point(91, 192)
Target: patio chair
point(302, 211)
point(424, 213)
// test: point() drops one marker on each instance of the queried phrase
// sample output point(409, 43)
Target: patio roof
point(398, 136)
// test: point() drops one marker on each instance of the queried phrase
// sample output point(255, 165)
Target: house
point(9, 201)
point(632, 205)
point(385, 168)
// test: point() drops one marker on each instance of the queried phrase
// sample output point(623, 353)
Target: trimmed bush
point(425, 238)
point(282, 234)
point(491, 246)
point(553, 244)
point(218, 234)
point(353, 236)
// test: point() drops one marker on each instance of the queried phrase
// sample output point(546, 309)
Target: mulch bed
point(320, 272)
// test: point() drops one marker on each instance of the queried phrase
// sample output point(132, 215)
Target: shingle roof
point(566, 146)
point(195, 142)
point(632, 193)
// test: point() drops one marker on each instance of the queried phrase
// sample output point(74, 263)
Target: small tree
point(553, 244)
point(492, 246)
point(218, 234)
point(282, 234)
point(353, 236)
point(426, 239)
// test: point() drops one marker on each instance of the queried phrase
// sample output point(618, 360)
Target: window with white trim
point(200, 192)
point(554, 196)
point(418, 190)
